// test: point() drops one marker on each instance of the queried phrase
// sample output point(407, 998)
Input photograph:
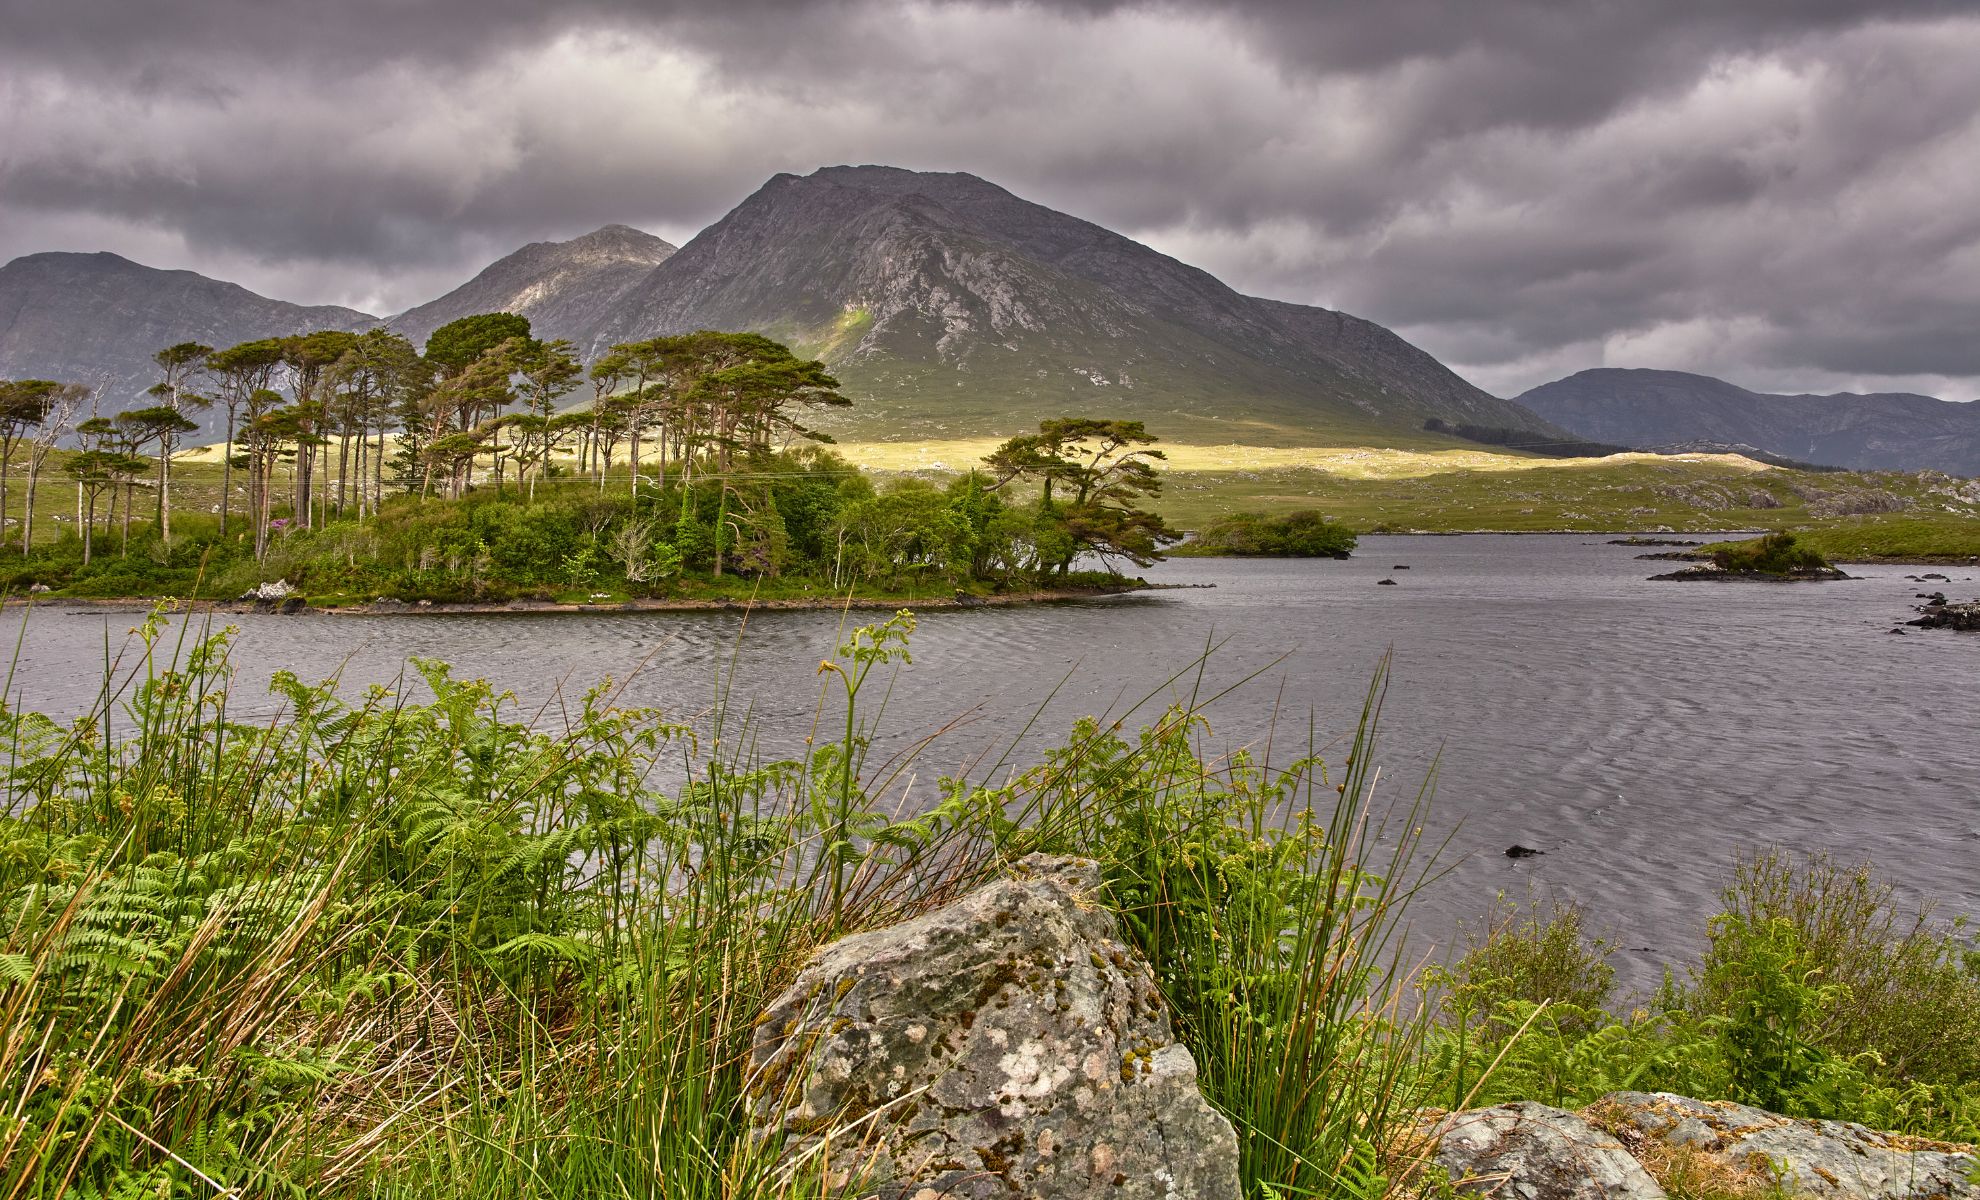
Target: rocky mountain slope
point(951, 307)
point(98, 318)
point(947, 305)
point(1895, 430)
point(566, 289)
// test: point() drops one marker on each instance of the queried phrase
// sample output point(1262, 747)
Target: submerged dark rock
point(1936, 613)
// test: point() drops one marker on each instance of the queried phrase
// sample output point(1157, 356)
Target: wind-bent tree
point(366, 384)
point(549, 371)
point(309, 357)
point(161, 425)
point(243, 372)
point(178, 365)
point(24, 405)
point(1099, 470)
point(457, 345)
point(270, 431)
point(64, 403)
point(102, 465)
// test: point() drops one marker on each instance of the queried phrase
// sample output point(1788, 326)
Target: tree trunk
point(27, 510)
point(226, 472)
point(165, 491)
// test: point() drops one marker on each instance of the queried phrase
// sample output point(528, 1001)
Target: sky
point(1783, 193)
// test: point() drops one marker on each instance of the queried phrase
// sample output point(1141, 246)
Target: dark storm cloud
point(1783, 191)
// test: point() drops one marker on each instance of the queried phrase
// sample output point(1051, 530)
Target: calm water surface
point(1640, 733)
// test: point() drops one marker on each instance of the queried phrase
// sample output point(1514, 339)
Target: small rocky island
point(1775, 558)
point(1939, 613)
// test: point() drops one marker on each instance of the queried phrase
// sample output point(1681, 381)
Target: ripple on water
point(1642, 733)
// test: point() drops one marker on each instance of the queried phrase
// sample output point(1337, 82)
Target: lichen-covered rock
point(1535, 1152)
point(1006, 1044)
point(1831, 1160)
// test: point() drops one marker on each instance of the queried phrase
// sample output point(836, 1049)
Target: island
point(1777, 557)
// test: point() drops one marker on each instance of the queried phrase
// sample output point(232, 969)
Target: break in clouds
point(1783, 193)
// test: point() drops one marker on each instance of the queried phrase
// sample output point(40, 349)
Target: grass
point(384, 945)
point(1440, 486)
point(1940, 537)
point(391, 947)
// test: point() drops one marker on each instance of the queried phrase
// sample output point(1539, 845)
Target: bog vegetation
point(385, 945)
point(494, 465)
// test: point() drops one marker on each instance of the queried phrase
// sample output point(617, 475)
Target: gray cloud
point(1786, 192)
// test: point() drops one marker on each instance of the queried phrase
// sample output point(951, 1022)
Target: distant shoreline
point(437, 608)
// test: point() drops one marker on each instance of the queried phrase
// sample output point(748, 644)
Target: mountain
point(565, 289)
point(1881, 431)
point(950, 307)
point(98, 318)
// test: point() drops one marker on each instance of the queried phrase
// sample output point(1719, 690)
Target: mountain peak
point(950, 305)
point(564, 288)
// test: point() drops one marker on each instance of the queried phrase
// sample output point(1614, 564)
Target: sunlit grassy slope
point(1447, 489)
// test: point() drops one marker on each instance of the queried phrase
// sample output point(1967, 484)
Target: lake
point(1641, 734)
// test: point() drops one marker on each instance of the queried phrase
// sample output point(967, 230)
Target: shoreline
point(297, 606)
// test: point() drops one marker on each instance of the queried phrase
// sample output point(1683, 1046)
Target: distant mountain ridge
point(566, 289)
point(956, 307)
point(1877, 431)
point(98, 318)
point(948, 306)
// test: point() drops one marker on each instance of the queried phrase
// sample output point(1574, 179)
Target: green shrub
point(1815, 997)
point(1539, 958)
point(1912, 991)
point(1777, 553)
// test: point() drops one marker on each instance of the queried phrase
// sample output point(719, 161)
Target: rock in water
point(1831, 1160)
point(1528, 1151)
point(1006, 1044)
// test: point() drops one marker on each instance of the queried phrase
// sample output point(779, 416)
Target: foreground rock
point(1007, 1044)
point(1616, 1148)
point(1830, 1160)
point(1534, 1152)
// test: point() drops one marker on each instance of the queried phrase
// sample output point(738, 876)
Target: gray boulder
point(1830, 1160)
point(1006, 1044)
point(1534, 1152)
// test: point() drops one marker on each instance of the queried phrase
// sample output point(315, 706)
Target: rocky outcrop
point(1713, 573)
point(1007, 1044)
point(1534, 1152)
point(1616, 1148)
point(1827, 1160)
point(1939, 613)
